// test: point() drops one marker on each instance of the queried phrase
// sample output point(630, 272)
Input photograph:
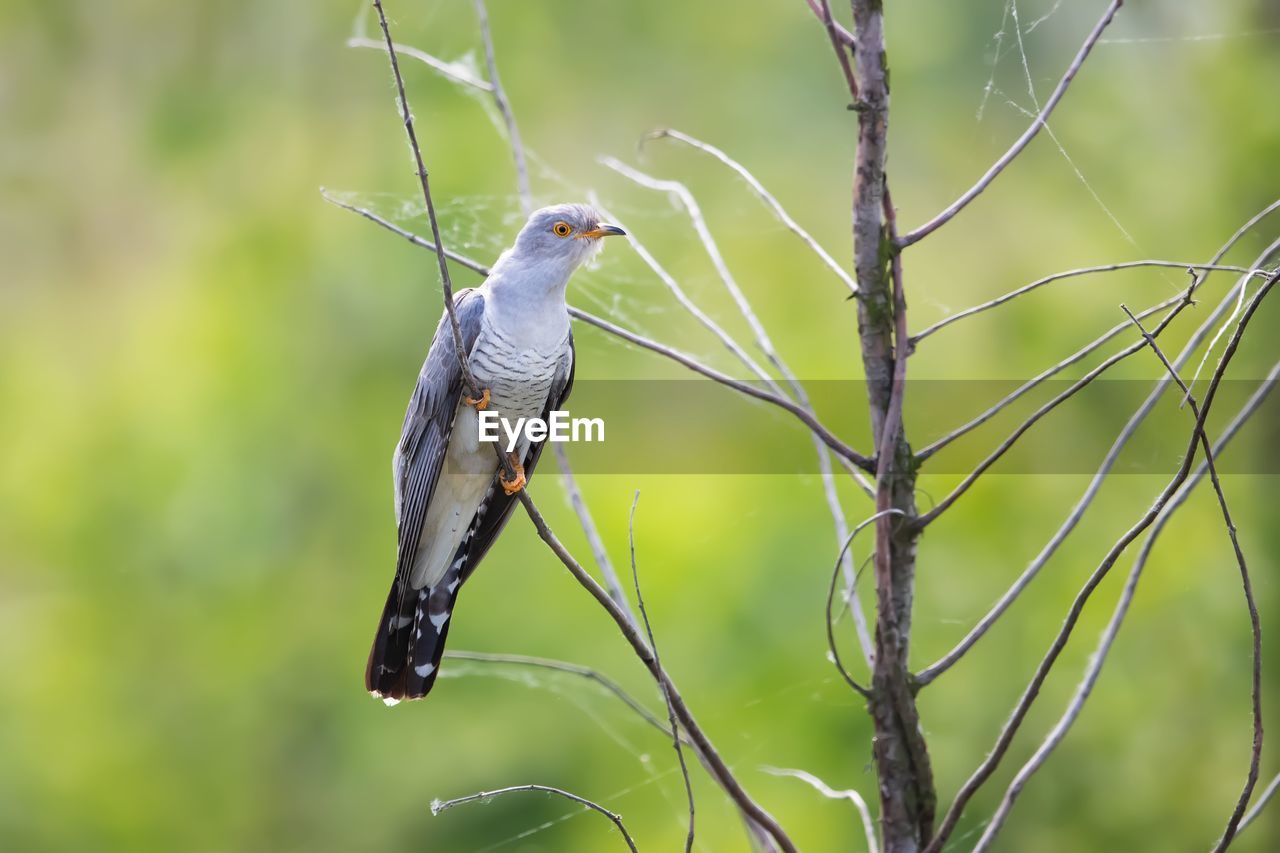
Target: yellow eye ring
point(561, 229)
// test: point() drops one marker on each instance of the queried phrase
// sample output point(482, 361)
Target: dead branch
point(868, 825)
point(439, 806)
point(653, 644)
point(504, 108)
point(1030, 133)
point(997, 753)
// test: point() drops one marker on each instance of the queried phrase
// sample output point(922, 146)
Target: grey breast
point(518, 376)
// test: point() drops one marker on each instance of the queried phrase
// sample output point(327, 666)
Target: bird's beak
point(603, 230)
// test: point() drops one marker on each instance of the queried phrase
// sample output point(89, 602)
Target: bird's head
point(563, 234)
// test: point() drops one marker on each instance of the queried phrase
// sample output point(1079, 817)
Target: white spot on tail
point(438, 620)
point(390, 701)
point(424, 670)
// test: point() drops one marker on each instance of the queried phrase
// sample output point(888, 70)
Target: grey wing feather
point(428, 423)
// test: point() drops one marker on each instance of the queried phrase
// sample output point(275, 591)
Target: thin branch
point(504, 107)
point(694, 211)
point(598, 551)
point(1022, 141)
point(992, 761)
point(868, 825)
point(711, 758)
point(1045, 409)
point(439, 806)
point(832, 646)
point(1031, 384)
point(469, 263)
point(1262, 802)
point(758, 188)
point(1049, 279)
point(452, 70)
point(687, 302)
point(425, 182)
point(571, 669)
point(1255, 759)
point(842, 450)
point(828, 438)
point(823, 11)
point(1098, 659)
point(657, 662)
point(1113, 453)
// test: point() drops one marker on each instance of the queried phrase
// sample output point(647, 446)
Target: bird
point(452, 496)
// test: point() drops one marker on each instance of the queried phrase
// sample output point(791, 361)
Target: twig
point(1113, 453)
point(1254, 622)
point(657, 662)
point(1049, 279)
point(1022, 141)
point(1265, 798)
point(566, 667)
point(711, 758)
point(832, 646)
point(758, 188)
point(469, 263)
point(1045, 409)
point(1031, 384)
point(868, 825)
point(423, 179)
point(688, 304)
point(504, 107)
point(598, 551)
point(453, 71)
point(992, 761)
point(823, 11)
point(439, 806)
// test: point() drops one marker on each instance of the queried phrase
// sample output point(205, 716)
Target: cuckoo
point(452, 497)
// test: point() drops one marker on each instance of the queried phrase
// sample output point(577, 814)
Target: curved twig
point(868, 824)
point(832, 646)
point(439, 806)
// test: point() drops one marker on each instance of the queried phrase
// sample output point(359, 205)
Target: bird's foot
point(514, 485)
point(482, 403)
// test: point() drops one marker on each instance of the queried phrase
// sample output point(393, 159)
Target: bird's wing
point(497, 507)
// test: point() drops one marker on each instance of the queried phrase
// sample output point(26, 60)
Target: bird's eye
point(561, 229)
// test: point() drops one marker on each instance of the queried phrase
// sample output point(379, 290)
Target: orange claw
point(513, 486)
point(480, 404)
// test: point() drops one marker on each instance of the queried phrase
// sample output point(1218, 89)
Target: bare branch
point(1008, 400)
point(1113, 453)
point(1039, 413)
point(504, 107)
point(688, 304)
point(758, 188)
point(832, 646)
point(710, 757)
point(1262, 802)
point(657, 662)
point(439, 806)
point(1049, 279)
point(454, 71)
point(992, 761)
point(1255, 624)
point(598, 551)
point(566, 667)
point(469, 263)
point(868, 825)
point(1022, 141)
point(1098, 659)
point(822, 9)
point(425, 182)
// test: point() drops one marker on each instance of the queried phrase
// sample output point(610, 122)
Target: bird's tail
point(405, 657)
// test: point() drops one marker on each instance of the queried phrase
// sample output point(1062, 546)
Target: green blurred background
point(203, 369)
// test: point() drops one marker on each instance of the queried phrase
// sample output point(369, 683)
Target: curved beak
point(603, 230)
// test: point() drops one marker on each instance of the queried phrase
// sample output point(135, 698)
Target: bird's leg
point(481, 404)
point(515, 485)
